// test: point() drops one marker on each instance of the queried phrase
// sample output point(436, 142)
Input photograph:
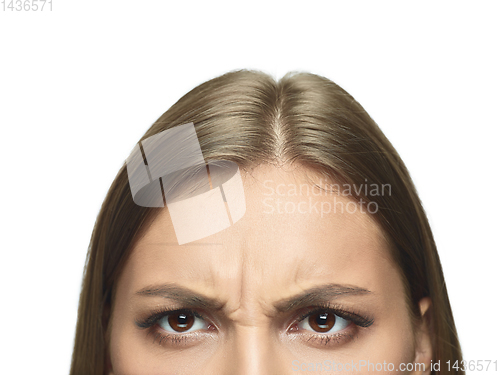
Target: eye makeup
point(153, 322)
point(349, 323)
point(303, 326)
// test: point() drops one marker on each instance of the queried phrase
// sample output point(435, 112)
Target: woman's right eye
point(182, 322)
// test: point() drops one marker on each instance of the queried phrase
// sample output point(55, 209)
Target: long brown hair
point(248, 118)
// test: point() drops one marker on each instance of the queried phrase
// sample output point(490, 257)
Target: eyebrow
point(184, 296)
point(313, 296)
point(318, 295)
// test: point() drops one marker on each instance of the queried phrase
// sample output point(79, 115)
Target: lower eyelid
point(328, 339)
point(332, 339)
point(210, 329)
point(165, 339)
point(162, 337)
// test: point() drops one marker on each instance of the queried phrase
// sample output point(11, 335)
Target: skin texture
point(261, 259)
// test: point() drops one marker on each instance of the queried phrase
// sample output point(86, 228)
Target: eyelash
point(360, 321)
point(151, 323)
point(325, 339)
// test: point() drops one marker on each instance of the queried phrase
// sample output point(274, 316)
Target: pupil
point(322, 318)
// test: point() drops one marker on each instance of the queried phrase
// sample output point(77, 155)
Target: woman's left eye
point(181, 322)
point(324, 322)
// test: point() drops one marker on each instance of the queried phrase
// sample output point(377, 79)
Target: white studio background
point(79, 85)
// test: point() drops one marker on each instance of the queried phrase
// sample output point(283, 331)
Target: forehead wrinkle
point(253, 275)
point(243, 265)
point(243, 277)
point(225, 273)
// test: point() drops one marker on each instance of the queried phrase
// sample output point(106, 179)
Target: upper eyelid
point(153, 318)
point(316, 310)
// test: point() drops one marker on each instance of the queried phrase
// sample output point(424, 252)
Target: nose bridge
point(252, 351)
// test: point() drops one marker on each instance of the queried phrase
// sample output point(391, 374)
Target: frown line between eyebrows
point(311, 296)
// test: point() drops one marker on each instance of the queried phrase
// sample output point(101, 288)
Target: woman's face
point(288, 288)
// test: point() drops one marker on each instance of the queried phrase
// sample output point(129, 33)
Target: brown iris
point(322, 322)
point(181, 322)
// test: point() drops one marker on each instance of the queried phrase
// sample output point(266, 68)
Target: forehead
point(286, 239)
